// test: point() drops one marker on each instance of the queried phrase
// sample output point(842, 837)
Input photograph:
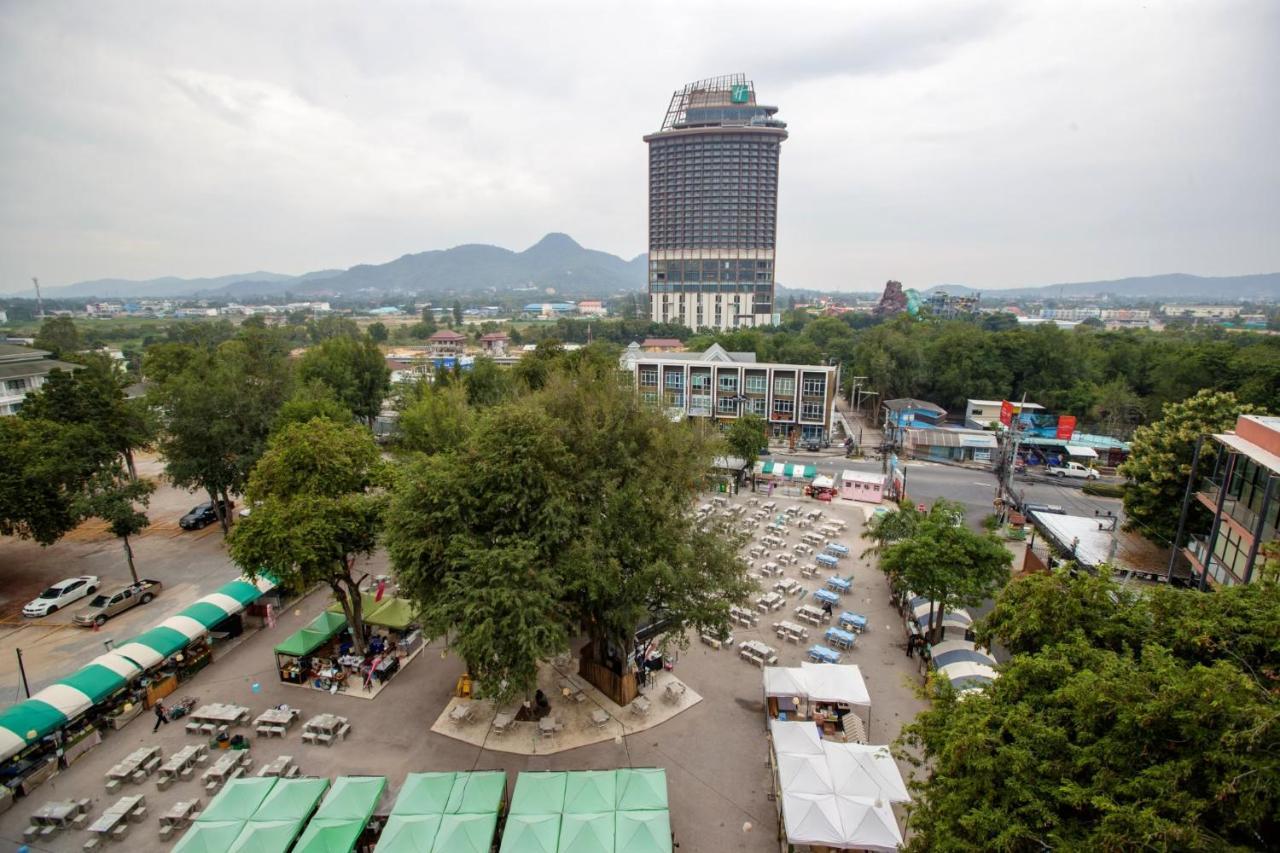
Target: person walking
point(162, 716)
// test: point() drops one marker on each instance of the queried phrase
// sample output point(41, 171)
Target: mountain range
point(559, 263)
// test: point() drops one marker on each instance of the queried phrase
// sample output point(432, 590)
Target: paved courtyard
point(714, 751)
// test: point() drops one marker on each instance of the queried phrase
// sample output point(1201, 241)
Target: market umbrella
point(539, 792)
point(531, 833)
point(408, 833)
point(642, 832)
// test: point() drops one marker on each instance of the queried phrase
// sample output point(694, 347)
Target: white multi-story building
point(1201, 312)
point(23, 370)
point(721, 385)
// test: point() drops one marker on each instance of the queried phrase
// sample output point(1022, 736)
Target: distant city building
point(4, 316)
point(592, 308)
point(1242, 494)
point(796, 400)
point(550, 309)
point(446, 342)
point(23, 370)
point(713, 203)
point(662, 345)
point(495, 343)
point(1201, 312)
point(980, 414)
point(948, 306)
point(1072, 314)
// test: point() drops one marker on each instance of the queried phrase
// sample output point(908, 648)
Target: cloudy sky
point(987, 143)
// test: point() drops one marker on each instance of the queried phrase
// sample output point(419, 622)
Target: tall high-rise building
point(713, 207)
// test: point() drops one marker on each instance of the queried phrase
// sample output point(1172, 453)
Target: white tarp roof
point(823, 482)
point(820, 682)
point(965, 672)
point(840, 798)
point(1081, 450)
point(862, 477)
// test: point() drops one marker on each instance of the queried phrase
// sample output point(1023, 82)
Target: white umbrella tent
point(812, 688)
point(835, 795)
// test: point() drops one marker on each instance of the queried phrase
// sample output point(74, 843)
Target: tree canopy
point(1151, 722)
point(353, 368)
point(746, 435)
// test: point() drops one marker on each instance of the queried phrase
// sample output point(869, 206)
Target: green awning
point(590, 791)
point(205, 613)
point(29, 716)
point(210, 836)
point(320, 631)
point(390, 612)
point(477, 793)
point(586, 833)
point(164, 641)
point(266, 836)
point(531, 833)
point(786, 469)
point(641, 789)
point(424, 794)
point(242, 591)
point(291, 799)
point(539, 793)
point(330, 835)
point(408, 833)
point(95, 681)
point(352, 797)
point(642, 832)
point(238, 799)
point(466, 833)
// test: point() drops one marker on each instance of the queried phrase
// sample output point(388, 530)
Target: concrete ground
point(715, 752)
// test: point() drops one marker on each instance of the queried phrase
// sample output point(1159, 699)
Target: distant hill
point(1173, 286)
point(556, 261)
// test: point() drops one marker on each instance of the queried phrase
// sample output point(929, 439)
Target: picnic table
point(770, 601)
point(855, 622)
point(839, 638)
point(600, 717)
point(822, 654)
point(742, 616)
point(826, 561)
point(787, 586)
point(802, 549)
point(179, 764)
point(787, 559)
point(56, 815)
point(325, 728)
point(837, 550)
point(809, 571)
point(835, 583)
point(790, 631)
point(771, 541)
point(769, 506)
point(141, 761)
point(758, 653)
point(281, 766)
point(770, 570)
point(229, 765)
point(179, 814)
point(640, 706)
point(114, 822)
point(826, 595)
point(207, 719)
point(276, 721)
point(812, 615)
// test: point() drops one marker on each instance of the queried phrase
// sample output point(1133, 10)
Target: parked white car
point(1072, 469)
point(60, 595)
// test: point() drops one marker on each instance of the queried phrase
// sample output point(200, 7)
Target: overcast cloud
point(987, 143)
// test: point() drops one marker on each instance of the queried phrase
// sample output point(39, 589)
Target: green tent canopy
point(408, 833)
point(210, 836)
point(238, 800)
point(477, 793)
point(291, 799)
point(531, 833)
point(330, 835)
point(316, 634)
point(164, 641)
point(466, 833)
point(95, 681)
point(424, 794)
point(390, 612)
point(204, 612)
point(352, 797)
point(642, 831)
point(266, 836)
point(586, 833)
point(539, 793)
point(31, 715)
point(641, 789)
point(590, 792)
point(242, 591)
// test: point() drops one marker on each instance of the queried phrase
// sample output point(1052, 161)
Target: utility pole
point(39, 300)
point(1006, 479)
point(26, 685)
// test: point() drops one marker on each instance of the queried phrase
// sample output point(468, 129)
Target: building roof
point(951, 437)
point(447, 335)
point(912, 403)
point(1084, 538)
point(13, 352)
point(1026, 407)
point(33, 367)
point(494, 336)
point(1258, 454)
point(662, 342)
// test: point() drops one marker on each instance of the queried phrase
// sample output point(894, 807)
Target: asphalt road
point(976, 489)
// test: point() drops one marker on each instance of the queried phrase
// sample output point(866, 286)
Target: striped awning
point(786, 469)
point(142, 655)
point(190, 628)
point(96, 682)
point(117, 663)
point(161, 639)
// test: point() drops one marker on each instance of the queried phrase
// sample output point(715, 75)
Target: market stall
point(445, 811)
point(592, 811)
point(308, 657)
point(824, 694)
point(782, 477)
point(393, 638)
point(834, 795)
point(823, 488)
point(340, 822)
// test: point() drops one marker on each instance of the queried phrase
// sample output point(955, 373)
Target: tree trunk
point(347, 590)
point(220, 508)
point(129, 465)
point(128, 554)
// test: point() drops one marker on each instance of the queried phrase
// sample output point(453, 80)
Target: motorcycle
point(182, 707)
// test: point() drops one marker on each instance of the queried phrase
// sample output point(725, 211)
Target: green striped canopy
point(31, 716)
point(243, 591)
point(205, 613)
point(165, 641)
point(786, 469)
point(95, 681)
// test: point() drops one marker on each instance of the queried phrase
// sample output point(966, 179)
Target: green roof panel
point(31, 715)
point(539, 792)
point(424, 794)
point(408, 833)
point(477, 792)
point(590, 792)
point(317, 632)
point(586, 833)
point(466, 833)
point(205, 613)
point(641, 789)
point(291, 799)
point(165, 641)
point(210, 836)
point(266, 836)
point(238, 799)
point(330, 835)
point(352, 797)
point(95, 681)
point(531, 833)
point(242, 591)
point(642, 831)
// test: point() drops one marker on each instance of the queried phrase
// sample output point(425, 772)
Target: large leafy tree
point(1160, 457)
point(436, 419)
point(314, 400)
point(746, 435)
point(59, 336)
point(947, 562)
point(218, 410)
point(354, 368)
point(1151, 724)
point(318, 496)
point(551, 520)
point(44, 468)
point(94, 395)
point(113, 496)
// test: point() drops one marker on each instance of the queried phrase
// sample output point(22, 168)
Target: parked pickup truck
point(112, 601)
point(1072, 469)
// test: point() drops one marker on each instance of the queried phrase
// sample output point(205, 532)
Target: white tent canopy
point(818, 682)
point(965, 673)
point(840, 797)
point(823, 482)
point(1081, 450)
